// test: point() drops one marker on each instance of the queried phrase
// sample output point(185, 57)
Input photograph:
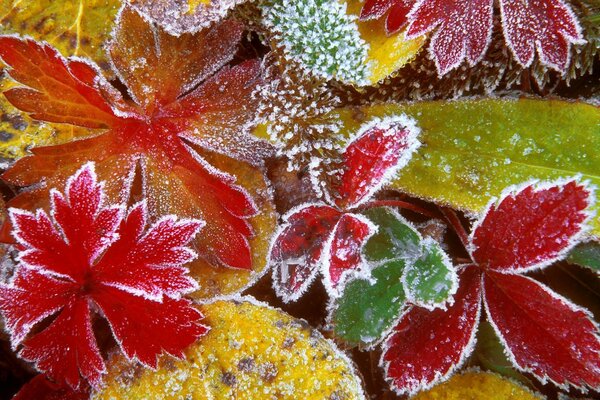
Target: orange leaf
point(164, 76)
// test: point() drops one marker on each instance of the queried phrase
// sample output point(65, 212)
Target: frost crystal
point(321, 37)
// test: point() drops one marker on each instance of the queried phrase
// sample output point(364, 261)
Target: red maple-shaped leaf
point(398, 12)
point(544, 334)
point(329, 238)
point(426, 346)
point(463, 30)
point(40, 388)
point(549, 26)
point(87, 259)
point(187, 108)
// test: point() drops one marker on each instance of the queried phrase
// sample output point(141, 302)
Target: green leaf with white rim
point(369, 308)
point(473, 149)
point(586, 255)
point(395, 238)
point(430, 280)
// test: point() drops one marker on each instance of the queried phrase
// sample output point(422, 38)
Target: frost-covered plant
point(319, 36)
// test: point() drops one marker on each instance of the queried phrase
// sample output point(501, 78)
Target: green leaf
point(394, 239)
point(586, 255)
point(431, 279)
point(366, 309)
point(473, 149)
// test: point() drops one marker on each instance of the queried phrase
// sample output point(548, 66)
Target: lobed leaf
point(586, 255)
point(252, 351)
point(395, 237)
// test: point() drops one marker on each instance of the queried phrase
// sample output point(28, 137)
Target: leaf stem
point(456, 225)
point(400, 204)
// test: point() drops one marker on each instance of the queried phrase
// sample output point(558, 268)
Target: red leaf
point(398, 16)
point(144, 328)
point(131, 277)
point(464, 30)
point(297, 248)
point(46, 73)
point(344, 250)
point(380, 149)
point(427, 346)
point(40, 388)
point(374, 9)
point(180, 88)
point(531, 227)
point(544, 333)
point(67, 350)
point(549, 26)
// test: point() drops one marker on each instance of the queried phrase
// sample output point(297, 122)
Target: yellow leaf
point(74, 27)
point(251, 352)
point(474, 385)
point(387, 54)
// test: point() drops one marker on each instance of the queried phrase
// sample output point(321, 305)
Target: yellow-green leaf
point(473, 149)
point(251, 352)
point(386, 54)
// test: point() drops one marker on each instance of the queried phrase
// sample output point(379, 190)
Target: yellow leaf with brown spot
point(474, 385)
point(386, 54)
point(74, 27)
point(251, 352)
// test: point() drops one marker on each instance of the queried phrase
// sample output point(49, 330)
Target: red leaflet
point(549, 26)
point(298, 246)
point(464, 30)
point(90, 258)
point(531, 228)
point(344, 250)
point(544, 333)
point(380, 149)
point(40, 388)
point(396, 19)
point(428, 345)
point(180, 89)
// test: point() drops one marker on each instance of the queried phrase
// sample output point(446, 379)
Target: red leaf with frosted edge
point(144, 327)
point(549, 26)
point(381, 148)
point(427, 346)
point(128, 276)
point(58, 90)
point(344, 250)
point(531, 227)
point(40, 388)
point(464, 30)
point(149, 264)
point(373, 9)
point(67, 350)
point(544, 333)
point(398, 16)
point(297, 248)
point(180, 89)
point(32, 298)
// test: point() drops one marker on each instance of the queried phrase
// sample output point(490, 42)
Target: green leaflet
point(365, 311)
point(473, 149)
point(414, 269)
point(430, 280)
point(395, 237)
point(586, 255)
